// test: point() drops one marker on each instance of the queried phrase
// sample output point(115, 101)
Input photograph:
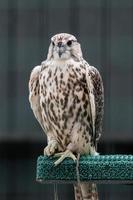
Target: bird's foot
point(63, 155)
point(93, 152)
point(51, 148)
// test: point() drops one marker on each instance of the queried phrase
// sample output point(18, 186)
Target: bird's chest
point(65, 95)
point(63, 85)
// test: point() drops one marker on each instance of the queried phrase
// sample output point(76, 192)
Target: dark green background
point(105, 30)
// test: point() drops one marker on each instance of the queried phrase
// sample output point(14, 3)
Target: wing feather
point(91, 98)
point(34, 97)
point(96, 96)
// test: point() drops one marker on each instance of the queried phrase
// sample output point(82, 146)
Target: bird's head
point(64, 46)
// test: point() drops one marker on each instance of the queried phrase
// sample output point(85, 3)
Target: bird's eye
point(69, 43)
point(53, 43)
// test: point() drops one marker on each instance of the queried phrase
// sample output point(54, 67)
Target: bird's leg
point(51, 148)
point(63, 155)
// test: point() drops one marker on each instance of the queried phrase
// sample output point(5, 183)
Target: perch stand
point(99, 169)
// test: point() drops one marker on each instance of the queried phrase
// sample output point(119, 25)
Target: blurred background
point(105, 30)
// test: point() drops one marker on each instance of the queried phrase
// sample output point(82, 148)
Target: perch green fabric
point(91, 168)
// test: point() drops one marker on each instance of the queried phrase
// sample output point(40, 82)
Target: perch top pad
point(102, 168)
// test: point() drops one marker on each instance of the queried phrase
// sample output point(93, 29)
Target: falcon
point(67, 98)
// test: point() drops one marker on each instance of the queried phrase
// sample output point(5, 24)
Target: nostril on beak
point(59, 44)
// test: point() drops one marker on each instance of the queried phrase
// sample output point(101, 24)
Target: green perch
point(99, 169)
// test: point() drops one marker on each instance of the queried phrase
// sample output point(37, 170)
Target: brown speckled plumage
point(66, 96)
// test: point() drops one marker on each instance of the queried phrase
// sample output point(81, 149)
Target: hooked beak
point(60, 53)
point(61, 50)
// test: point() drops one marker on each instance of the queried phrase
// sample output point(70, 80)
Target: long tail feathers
point(86, 191)
point(77, 192)
point(82, 190)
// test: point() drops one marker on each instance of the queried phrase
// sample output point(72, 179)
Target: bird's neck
point(62, 61)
